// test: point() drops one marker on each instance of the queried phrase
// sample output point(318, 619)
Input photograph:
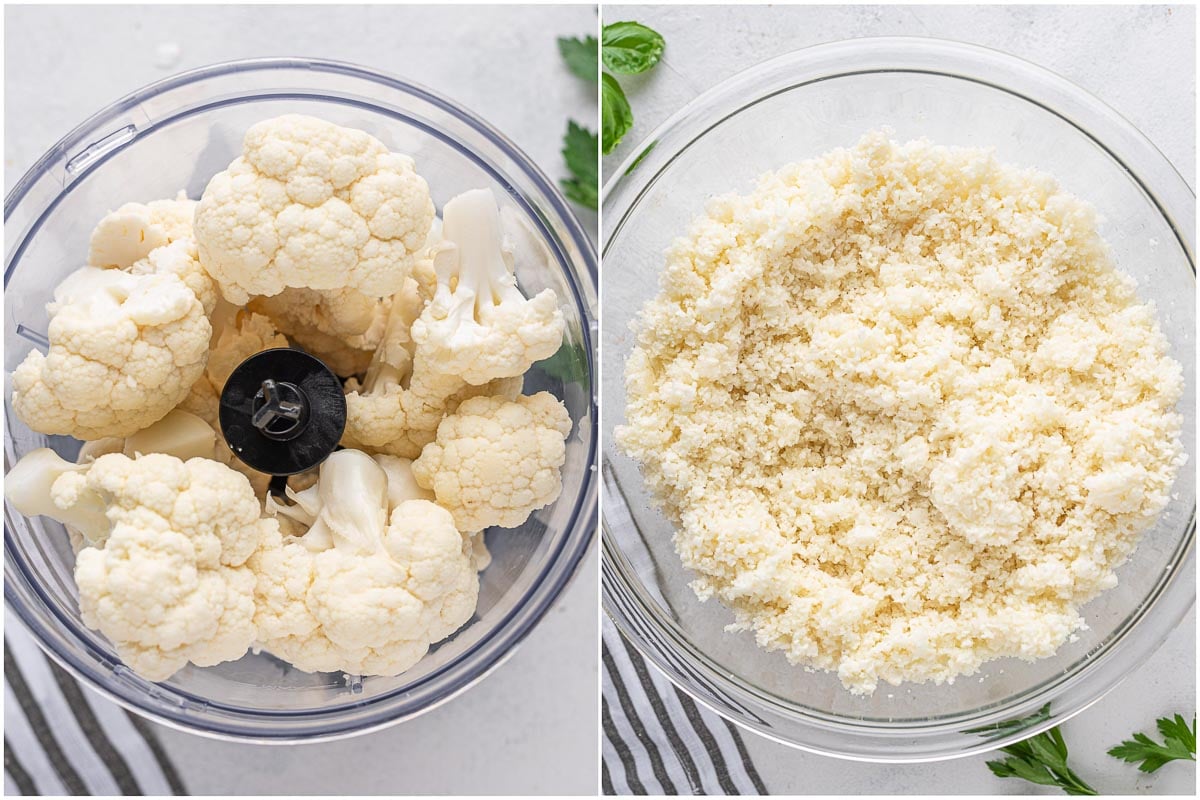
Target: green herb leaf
point(568, 364)
point(640, 157)
point(580, 55)
point(630, 47)
point(580, 151)
point(616, 117)
point(1179, 744)
point(1013, 725)
point(1041, 759)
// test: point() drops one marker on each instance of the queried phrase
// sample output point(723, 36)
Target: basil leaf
point(580, 55)
point(630, 47)
point(616, 117)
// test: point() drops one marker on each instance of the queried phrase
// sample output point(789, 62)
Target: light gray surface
point(1142, 61)
point(532, 726)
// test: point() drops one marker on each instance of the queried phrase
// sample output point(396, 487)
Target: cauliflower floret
point(134, 230)
point(249, 334)
point(180, 258)
point(341, 327)
point(154, 237)
point(124, 350)
point(478, 325)
point(315, 205)
point(179, 434)
point(371, 590)
point(29, 486)
point(149, 593)
point(397, 408)
point(240, 335)
point(203, 401)
point(183, 435)
point(495, 461)
point(167, 581)
point(385, 416)
point(401, 483)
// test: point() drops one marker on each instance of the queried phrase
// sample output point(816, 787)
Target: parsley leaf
point(1013, 725)
point(580, 55)
point(616, 117)
point(1041, 759)
point(579, 151)
point(1179, 743)
point(628, 48)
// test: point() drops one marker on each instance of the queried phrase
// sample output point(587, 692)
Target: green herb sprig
point(579, 151)
point(1179, 744)
point(1041, 759)
point(626, 48)
point(581, 146)
point(580, 55)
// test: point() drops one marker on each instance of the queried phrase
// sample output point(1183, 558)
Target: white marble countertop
point(1115, 52)
point(532, 726)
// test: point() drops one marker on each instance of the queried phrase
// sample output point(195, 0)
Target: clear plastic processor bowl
point(175, 135)
point(799, 106)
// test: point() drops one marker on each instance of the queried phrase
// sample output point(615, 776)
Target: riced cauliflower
point(904, 411)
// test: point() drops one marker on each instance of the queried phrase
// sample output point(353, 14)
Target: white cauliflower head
point(124, 350)
point(478, 325)
point(495, 461)
point(167, 583)
point(312, 204)
point(373, 589)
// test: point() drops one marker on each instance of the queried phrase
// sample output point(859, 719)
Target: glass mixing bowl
point(799, 106)
point(176, 134)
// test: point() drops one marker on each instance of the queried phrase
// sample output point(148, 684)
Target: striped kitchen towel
point(657, 739)
point(63, 739)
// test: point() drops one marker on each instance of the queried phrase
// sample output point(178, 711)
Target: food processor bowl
point(799, 106)
point(175, 134)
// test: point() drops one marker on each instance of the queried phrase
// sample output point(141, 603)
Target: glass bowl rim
point(562, 562)
point(624, 598)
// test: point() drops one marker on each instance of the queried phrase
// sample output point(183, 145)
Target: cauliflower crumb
point(906, 414)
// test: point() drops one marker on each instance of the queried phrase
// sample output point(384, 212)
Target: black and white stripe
point(62, 739)
point(657, 740)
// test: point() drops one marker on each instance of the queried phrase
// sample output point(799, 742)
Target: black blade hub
point(282, 411)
